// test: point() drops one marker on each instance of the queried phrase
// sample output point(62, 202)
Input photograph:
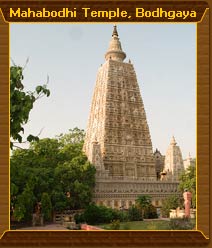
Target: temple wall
point(116, 194)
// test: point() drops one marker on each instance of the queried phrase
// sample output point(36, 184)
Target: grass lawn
point(141, 225)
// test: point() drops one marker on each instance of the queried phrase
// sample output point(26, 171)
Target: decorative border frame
point(115, 238)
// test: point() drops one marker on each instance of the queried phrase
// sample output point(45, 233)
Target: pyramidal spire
point(173, 141)
point(115, 50)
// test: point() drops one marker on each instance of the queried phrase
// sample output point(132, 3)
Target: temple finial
point(115, 51)
point(115, 32)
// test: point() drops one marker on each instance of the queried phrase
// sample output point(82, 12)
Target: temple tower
point(188, 162)
point(117, 139)
point(173, 161)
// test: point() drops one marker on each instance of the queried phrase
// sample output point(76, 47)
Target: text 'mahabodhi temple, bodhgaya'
point(118, 141)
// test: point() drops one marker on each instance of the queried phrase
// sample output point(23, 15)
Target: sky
point(164, 58)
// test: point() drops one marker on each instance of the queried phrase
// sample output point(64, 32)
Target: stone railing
point(67, 215)
point(106, 178)
point(136, 187)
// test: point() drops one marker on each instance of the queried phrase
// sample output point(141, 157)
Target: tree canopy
point(144, 203)
point(188, 182)
point(21, 103)
point(52, 171)
point(171, 202)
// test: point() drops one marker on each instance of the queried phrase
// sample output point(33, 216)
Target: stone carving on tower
point(117, 139)
point(173, 161)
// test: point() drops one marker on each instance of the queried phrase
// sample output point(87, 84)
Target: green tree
point(52, 167)
point(71, 143)
point(75, 136)
point(59, 200)
point(24, 204)
point(171, 202)
point(143, 201)
point(188, 181)
point(77, 178)
point(46, 206)
point(21, 103)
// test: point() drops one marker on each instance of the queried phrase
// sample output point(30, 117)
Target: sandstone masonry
point(118, 140)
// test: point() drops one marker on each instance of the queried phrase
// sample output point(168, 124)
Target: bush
point(123, 216)
point(181, 224)
point(171, 202)
point(79, 218)
point(150, 212)
point(92, 214)
point(134, 214)
point(100, 214)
